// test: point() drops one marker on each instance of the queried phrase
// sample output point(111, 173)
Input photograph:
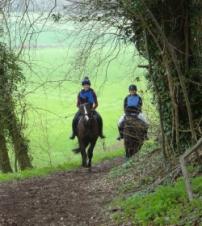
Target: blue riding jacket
point(87, 96)
point(133, 102)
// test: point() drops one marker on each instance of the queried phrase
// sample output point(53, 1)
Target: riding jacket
point(133, 102)
point(87, 96)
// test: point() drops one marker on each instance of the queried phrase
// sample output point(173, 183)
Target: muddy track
point(67, 198)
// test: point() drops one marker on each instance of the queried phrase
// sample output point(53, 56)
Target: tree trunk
point(9, 76)
point(173, 34)
point(5, 166)
point(19, 142)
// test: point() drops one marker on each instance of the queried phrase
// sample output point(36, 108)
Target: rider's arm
point(140, 104)
point(95, 104)
point(125, 104)
point(78, 101)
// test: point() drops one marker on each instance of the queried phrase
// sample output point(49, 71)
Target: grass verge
point(168, 205)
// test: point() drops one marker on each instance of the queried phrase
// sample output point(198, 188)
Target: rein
point(87, 115)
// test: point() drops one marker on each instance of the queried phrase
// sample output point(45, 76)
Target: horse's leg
point(127, 154)
point(83, 154)
point(131, 149)
point(90, 152)
point(134, 150)
point(126, 149)
point(138, 143)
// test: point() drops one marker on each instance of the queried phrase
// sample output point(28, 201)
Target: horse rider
point(87, 95)
point(133, 105)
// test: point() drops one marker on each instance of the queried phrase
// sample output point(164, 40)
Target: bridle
point(85, 113)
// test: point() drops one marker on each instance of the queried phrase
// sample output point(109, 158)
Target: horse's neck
point(89, 122)
point(89, 128)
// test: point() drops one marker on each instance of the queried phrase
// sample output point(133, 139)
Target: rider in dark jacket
point(87, 95)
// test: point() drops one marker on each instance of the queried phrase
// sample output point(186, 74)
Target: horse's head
point(85, 110)
point(132, 112)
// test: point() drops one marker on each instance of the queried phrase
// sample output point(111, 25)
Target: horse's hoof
point(84, 165)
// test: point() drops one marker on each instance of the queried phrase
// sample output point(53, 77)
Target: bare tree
point(22, 29)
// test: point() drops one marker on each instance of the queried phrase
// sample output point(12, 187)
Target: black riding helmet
point(132, 87)
point(86, 81)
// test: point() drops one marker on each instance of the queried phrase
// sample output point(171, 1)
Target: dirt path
point(68, 198)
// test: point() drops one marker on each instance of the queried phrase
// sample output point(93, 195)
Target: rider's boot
point(100, 123)
point(72, 136)
point(120, 134)
point(74, 123)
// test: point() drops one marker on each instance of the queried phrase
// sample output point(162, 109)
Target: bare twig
point(195, 148)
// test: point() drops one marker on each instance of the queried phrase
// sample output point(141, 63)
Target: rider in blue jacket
point(132, 104)
point(87, 95)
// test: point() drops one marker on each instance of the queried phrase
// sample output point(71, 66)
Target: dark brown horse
point(87, 133)
point(134, 134)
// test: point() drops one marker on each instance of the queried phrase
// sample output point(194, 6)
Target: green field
point(51, 104)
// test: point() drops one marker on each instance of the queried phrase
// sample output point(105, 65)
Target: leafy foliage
point(13, 73)
point(167, 205)
point(10, 77)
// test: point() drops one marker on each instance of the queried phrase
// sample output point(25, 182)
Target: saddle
point(131, 115)
point(132, 121)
